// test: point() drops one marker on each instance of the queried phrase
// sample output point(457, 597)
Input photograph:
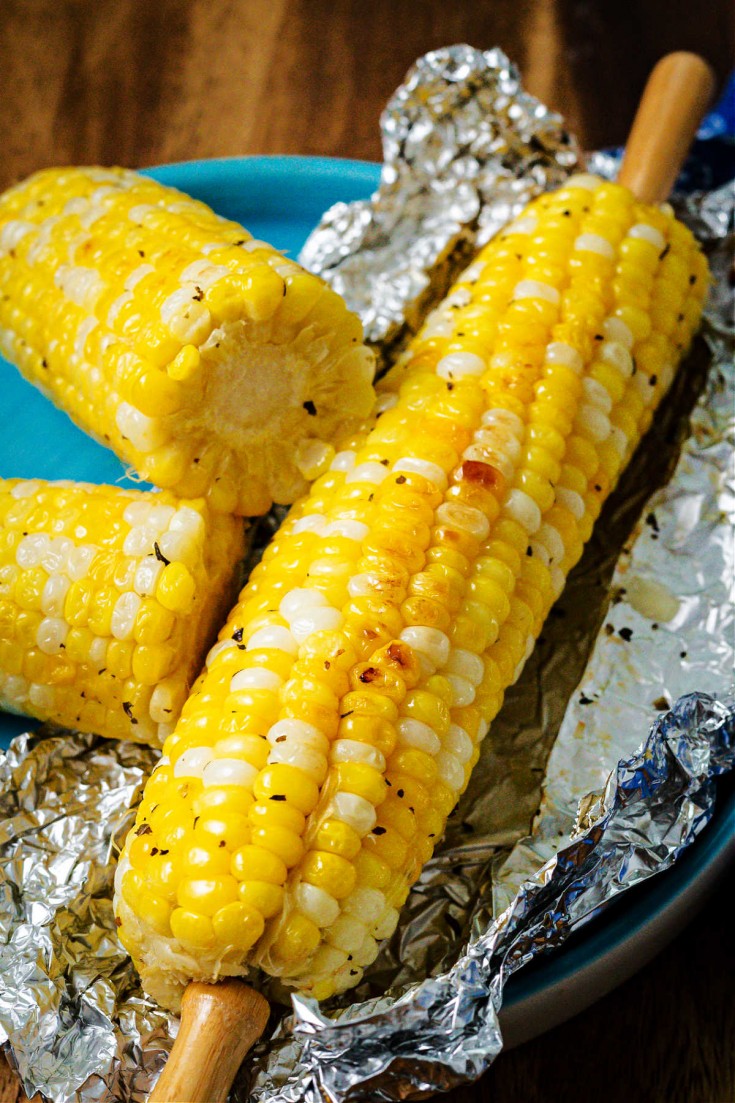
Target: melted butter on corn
point(371, 648)
point(207, 360)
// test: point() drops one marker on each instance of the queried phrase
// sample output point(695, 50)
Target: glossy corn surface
point(205, 359)
point(342, 711)
point(108, 600)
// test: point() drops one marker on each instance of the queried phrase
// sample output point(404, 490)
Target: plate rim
point(717, 840)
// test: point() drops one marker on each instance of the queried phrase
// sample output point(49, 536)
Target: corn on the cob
point(340, 715)
point(204, 358)
point(108, 600)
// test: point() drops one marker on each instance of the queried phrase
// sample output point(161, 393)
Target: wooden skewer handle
point(674, 101)
point(219, 1024)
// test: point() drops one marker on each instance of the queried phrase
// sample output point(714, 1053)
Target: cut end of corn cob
point(204, 358)
point(108, 601)
point(339, 717)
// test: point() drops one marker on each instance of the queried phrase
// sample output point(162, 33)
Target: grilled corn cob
point(202, 357)
point(108, 600)
point(341, 712)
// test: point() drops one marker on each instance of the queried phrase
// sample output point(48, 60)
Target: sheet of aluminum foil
point(465, 148)
point(78, 1026)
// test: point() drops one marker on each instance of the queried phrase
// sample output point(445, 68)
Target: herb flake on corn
point(342, 711)
point(204, 358)
point(108, 600)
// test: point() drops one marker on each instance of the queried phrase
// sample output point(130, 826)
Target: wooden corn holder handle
point(674, 100)
point(219, 1024)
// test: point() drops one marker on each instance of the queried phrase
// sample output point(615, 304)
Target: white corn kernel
point(54, 595)
point(298, 733)
point(124, 614)
point(347, 528)
point(354, 811)
point(256, 677)
point(591, 421)
point(458, 742)
point(594, 243)
point(193, 762)
point(343, 461)
point(615, 353)
point(431, 642)
point(144, 433)
point(51, 635)
point(571, 501)
point(273, 636)
point(425, 468)
point(498, 416)
point(414, 733)
point(552, 541)
point(370, 472)
point(460, 365)
point(615, 329)
point(467, 518)
point(644, 232)
point(451, 770)
point(535, 289)
point(463, 692)
point(316, 904)
point(351, 750)
point(467, 665)
point(312, 522)
point(365, 903)
point(346, 933)
point(298, 600)
point(557, 352)
point(228, 771)
point(310, 762)
point(522, 508)
point(316, 619)
point(147, 574)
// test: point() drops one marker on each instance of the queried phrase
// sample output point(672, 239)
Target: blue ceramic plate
point(280, 199)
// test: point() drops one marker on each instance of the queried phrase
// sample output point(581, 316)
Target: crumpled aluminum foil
point(464, 150)
point(79, 1027)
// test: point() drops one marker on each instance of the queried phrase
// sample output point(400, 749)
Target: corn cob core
point(340, 715)
point(108, 600)
point(202, 357)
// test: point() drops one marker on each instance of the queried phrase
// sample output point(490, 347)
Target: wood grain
point(219, 1024)
point(135, 83)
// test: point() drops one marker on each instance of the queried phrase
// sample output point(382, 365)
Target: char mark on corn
point(342, 711)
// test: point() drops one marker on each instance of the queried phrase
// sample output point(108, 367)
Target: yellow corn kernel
point(286, 844)
point(286, 782)
point(144, 312)
point(237, 925)
point(338, 838)
point(329, 872)
point(433, 548)
point(192, 929)
point(176, 588)
point(363, 781)
point(253, 863)
point(297, 938)
point(261, 896)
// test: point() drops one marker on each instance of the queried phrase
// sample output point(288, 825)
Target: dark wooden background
point(135, 82)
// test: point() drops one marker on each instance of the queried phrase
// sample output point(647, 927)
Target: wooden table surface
point(134, 82)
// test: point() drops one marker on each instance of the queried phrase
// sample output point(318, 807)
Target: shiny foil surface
point(75, 1021)
point(465, 148)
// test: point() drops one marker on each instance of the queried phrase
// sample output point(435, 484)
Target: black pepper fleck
point(159, 555)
